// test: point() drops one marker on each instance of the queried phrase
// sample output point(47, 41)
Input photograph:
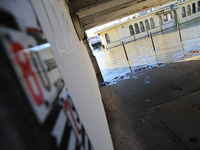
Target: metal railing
point(142, 34)
point(173, 45)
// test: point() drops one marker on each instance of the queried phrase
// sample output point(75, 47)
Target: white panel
point(77, 72)
point(72, 141)
point(59, 127)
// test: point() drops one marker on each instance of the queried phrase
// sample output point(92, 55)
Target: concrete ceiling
point(93, 13)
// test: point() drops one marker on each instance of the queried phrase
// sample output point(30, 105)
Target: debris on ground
point(188, 54)
point(133, 75)
point(144, 120)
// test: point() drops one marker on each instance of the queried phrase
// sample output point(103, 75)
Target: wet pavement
point(156, 109)
point(113, 63)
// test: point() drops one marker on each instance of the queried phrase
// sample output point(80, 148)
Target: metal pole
point(125, 51)
point(154, 48)
point(126, 56)
point(182, 47)
point(179, 32)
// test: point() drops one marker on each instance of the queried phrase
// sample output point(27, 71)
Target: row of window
point(189, 9)
point(137, 30)
point(147, 26)
point(142, 27)
point(167, 16)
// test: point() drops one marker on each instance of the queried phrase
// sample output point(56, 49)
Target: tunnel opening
point(151, 87)
point(139, 90)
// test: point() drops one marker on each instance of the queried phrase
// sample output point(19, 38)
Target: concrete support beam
point(114, 9)
point(76, 5)
point(93, 13)
point(114, 15)
point(77, 26)
point(83, 36)
point(93, 60)
point(100, 8)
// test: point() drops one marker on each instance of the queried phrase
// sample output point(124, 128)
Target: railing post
point(154, 48)
point(182, 47)
point(180, 37)
point(179, 32)
point(126, 56)
point(125, 51)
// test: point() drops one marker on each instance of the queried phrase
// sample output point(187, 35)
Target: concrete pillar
point(83, 36)
point(93, 60)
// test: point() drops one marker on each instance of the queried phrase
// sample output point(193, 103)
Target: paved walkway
point(156, 109)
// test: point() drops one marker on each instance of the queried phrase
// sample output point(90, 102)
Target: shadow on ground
point(159, 110)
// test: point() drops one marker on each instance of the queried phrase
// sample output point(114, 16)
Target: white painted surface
point(76, 69)
point(59, 127)
point(123, 33)
point(72, 141)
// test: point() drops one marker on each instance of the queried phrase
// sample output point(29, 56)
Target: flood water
point(113, 62)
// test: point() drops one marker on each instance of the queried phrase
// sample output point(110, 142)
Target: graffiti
point(32, 60)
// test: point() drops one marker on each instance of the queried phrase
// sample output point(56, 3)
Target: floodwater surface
point(113, 63)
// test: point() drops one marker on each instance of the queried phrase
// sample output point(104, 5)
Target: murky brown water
point(113, 62)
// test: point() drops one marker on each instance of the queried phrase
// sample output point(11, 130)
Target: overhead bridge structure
point(87, 14)
point(93, 13)
point(50, 97)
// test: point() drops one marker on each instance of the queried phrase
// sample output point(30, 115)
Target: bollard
point(154, 48)
point(179, 32)
point(126, 56)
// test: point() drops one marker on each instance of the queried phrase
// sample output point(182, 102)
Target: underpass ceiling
point(93, 13)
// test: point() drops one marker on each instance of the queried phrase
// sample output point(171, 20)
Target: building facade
point(163, 17)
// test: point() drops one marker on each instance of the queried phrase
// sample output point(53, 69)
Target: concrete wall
point(76, 69)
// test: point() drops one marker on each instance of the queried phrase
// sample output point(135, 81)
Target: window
point(183, 12)
point(131, 30)
point(165, 18)
point(107, 38)
point(137, 30)
point(152, 23)
point(194, 8)
point(160, 20)
point(147, 25)
point(175, 15)
point(142, 26)
point(198, 4)
point(170, 15)
point(188, 10)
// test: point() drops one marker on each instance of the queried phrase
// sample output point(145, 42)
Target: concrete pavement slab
point(132, 124)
